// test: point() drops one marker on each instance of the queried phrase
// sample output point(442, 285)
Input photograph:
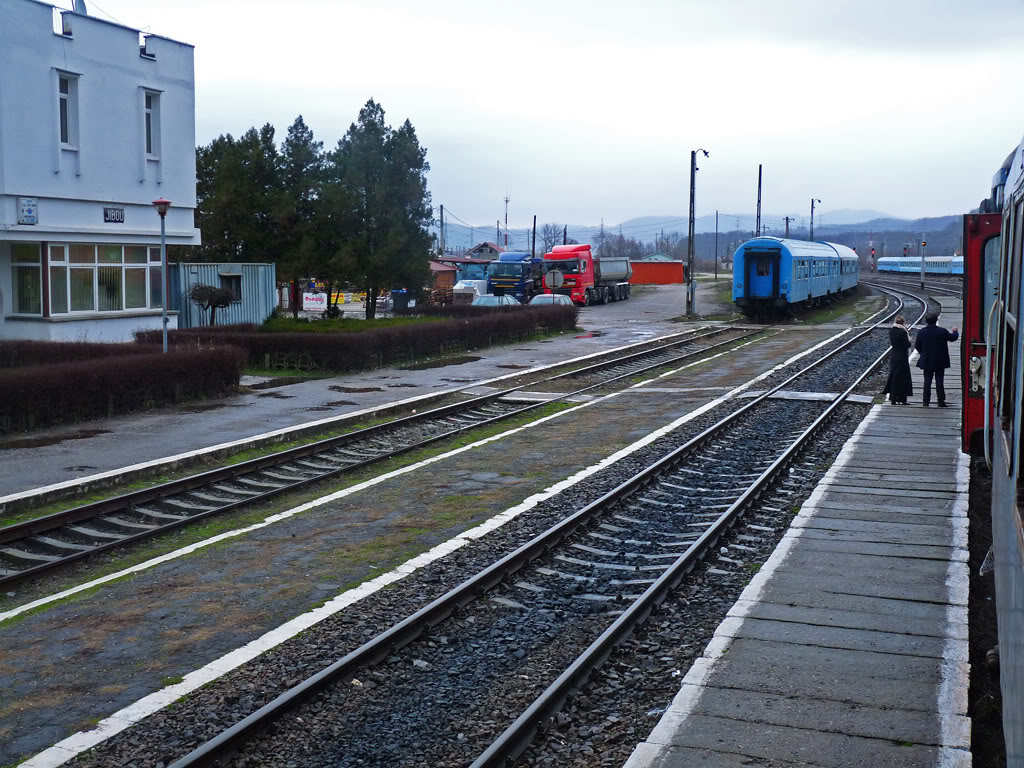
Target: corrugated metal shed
point(256, 284)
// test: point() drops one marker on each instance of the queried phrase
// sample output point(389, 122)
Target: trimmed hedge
point(375, 347)
point(20, 353)
point(45, 395)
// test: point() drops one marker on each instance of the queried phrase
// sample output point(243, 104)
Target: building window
point(232, 283)
point(152, 126)
point(58, 279)
point(67, 95)
point(27, 279)
point(104, 278)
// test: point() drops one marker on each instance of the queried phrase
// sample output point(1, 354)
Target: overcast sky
point(583, 109)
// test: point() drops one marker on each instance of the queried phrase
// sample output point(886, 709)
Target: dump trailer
point(574, 271)
point(515, 273)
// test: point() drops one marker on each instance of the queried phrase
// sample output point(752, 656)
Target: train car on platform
point(933, 265)
point(771, 274)
point(993, 380)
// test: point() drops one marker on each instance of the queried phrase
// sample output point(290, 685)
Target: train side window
point(1010, 293)
point(989, 285)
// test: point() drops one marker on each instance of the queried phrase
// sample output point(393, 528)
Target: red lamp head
point(161, 206)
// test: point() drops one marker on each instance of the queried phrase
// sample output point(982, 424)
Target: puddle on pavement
point(319, 408)
point(511, 365)
point(204, 407)
point(280, 381)
point(588, 335)
point(442, 362)
point(353, 390)
point(403, 385)
point(40, 442)
point(339, 403)
point(459, 381)
point(276, 396)
point(79, 468)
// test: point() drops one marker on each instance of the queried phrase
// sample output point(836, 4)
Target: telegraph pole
point(507, 198)
point(441, 239)
point(691, 285)
point(716, 245)
point(757, 226)
point(497, 231)
point(565, 234)
point(813, 201)
point(788, 219)
point(533, 248)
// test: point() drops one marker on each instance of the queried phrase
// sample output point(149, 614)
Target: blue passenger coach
point(773, 273)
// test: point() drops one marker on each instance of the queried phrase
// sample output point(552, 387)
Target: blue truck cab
point(515, 273)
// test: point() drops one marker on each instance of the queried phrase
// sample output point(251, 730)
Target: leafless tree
point(550, 235)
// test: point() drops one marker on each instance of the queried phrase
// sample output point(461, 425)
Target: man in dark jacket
point(931, 343)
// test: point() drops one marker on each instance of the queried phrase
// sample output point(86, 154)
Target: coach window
point(1010, 295)
point(762, 267)
point(990, 284)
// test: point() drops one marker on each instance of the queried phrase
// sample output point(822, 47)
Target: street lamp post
point(813, 201)
point(690, 284)
point(161, 206)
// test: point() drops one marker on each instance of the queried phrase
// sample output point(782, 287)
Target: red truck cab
point(576, 264)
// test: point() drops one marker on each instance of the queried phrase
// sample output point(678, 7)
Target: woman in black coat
point(899, 386)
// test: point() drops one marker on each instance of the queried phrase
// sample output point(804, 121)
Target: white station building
point(97, 120)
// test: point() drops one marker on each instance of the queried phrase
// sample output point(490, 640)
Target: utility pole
point(788, 219)
point(691, 285)
point(533, 248)
point(757, 226)
point(813, 201)
point(716, 246)
point(565, 234)
point(507, 198)
point(497, 231)
point(441, 241)
point(601, 244)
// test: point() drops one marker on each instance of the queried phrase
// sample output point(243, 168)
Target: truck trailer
point(574, 271)
point(515, 273)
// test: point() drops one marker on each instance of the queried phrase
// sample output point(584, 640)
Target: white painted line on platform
point(83, 740)
point(325, 422)
point(955, 730)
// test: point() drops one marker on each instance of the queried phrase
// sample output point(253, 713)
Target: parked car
point(495, 301)
point(550, 300)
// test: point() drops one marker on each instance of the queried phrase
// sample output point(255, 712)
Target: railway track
point(950, 287)
point(618, 557)
point(35, 546)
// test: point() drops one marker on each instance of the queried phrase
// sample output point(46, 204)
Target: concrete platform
point(849, 647)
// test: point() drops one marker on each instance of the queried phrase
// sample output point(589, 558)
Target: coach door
point(763, 273)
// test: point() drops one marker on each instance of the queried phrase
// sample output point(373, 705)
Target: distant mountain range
point(648, 228)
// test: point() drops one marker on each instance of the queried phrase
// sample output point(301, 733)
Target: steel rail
point(125, 502)
point(410, 628)
point(893, 282)
point(518, 736)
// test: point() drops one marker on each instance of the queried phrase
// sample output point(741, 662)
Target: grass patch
point(280, 373)
point(452, 513)
point(173, 680)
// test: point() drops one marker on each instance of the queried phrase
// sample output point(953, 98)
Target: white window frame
point(151, 123)
point(149, 266)
point(69, 102)
point(16, 265)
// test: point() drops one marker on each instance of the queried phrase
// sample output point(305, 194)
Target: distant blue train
point(770, 273)
point(933, 265)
